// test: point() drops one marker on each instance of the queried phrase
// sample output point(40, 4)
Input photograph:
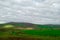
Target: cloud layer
point(33, 11)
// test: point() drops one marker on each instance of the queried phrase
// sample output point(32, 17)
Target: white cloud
point(1, 22)
point(34, 11)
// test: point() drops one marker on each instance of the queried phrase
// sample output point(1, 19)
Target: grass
point(30, 34)
point(42, 32)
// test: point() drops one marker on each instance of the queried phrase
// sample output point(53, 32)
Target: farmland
point(28, 31)
point(30, 34)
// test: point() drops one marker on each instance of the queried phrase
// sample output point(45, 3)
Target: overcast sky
point(33, 11)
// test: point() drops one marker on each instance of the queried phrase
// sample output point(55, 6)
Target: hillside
point(23, 24)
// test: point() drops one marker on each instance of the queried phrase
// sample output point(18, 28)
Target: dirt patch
point(19, 38)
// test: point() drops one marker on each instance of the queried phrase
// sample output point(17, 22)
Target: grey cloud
point(33, 11)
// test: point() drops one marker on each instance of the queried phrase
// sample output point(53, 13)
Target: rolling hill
point(23, 24)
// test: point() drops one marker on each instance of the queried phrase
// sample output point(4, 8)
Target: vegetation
point(37, 34)
point(8, 26)
point(8, 31)
point(36, 26)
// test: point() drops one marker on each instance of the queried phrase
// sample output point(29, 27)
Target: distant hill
point(24, 24)
point(49, 26)
point(21, 24)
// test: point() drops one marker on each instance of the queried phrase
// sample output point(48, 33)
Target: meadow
point(12, 31)
point(17, 34)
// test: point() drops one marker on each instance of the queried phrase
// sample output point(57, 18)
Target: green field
point(42, 32)
point(37, 34)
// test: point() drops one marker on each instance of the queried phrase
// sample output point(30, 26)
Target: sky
point(32, 11)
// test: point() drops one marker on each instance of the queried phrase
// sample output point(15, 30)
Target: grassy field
point(16, 34)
